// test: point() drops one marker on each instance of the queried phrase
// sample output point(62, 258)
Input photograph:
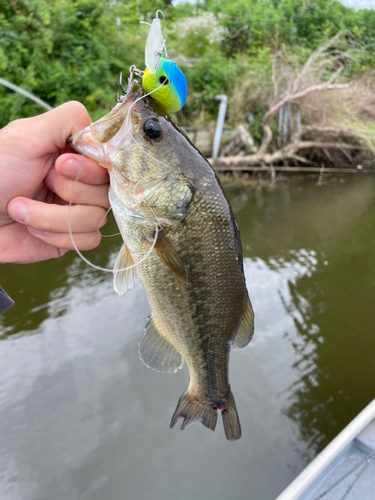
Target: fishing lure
point(162, 77)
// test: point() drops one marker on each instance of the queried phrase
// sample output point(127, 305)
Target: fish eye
point(163, 80)
point(152, 128)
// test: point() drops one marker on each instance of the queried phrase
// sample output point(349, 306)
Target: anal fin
point(246, 331)
point(156, 351)
point(124, 278)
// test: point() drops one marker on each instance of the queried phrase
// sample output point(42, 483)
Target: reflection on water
point(329, 232)
point(82, 418)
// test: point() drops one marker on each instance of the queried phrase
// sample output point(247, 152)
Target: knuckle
point(16, 124)
point(10, 134)
point(40, 217)
point(67, 190)
point(97, 237)
point(90, 241)
point(101, 218)
point(104, 200)
point(76, 108)
point(45, 224)
point(63, 189)
point(62, 251)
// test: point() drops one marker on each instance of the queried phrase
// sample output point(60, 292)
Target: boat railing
point(325, 458)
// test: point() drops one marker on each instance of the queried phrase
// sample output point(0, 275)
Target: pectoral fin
point(124, 278)
point(246, 331)
point(156, 351)
point(170, 258)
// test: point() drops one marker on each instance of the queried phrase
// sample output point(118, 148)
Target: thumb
point(68, 118)
point(50, 130)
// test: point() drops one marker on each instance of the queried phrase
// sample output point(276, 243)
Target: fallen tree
point(336, 125)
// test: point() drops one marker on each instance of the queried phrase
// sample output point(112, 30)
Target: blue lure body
point(167, 85)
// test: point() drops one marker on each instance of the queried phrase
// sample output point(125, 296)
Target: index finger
point(90, 172)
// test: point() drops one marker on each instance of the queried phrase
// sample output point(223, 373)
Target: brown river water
point(81, 418)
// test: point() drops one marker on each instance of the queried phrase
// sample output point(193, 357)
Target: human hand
point(37, 182)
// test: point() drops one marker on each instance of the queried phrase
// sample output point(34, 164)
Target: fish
point(181, 239)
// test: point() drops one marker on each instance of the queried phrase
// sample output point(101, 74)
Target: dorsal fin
point(170, 258)
point(156, 351)
point(246, 331)
point(123, 280)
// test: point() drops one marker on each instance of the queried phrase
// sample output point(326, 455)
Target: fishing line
point(164, 47)
point(133, 138)
point(107, 270)
point(107, 235)
point(136, 201)
point(126, 121)
point(110, 235)
point(144, 150)
point(107, 212)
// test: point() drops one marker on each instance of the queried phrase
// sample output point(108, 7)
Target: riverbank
point(264, 178)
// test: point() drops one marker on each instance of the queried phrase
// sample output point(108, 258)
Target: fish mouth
point(93, 137)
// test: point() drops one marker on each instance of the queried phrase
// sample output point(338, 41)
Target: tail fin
point(232, 426)
point(192, 411)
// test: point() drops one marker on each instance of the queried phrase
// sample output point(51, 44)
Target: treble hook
point(120, 98)
point(120, 83)
point(135, 71)
point(132, 71)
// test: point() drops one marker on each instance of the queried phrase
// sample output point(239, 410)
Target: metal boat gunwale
point(317, 470)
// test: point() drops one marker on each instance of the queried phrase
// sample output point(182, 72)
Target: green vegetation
point(75, 49)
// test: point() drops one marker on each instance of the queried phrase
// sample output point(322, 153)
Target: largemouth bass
point(182, 241)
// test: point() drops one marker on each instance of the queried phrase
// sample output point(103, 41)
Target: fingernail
point(36, 232)
point(17, 211)
point(70, 168)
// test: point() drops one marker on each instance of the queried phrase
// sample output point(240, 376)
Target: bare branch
point(327, 153)
point(314, 88)
point(332, 141)
point(314, 57)
point(235, 35)
point(303, 160)
point(266, 140)
point(348, 155)
point(336, 86)
point(332, 131)
point(321, 145)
